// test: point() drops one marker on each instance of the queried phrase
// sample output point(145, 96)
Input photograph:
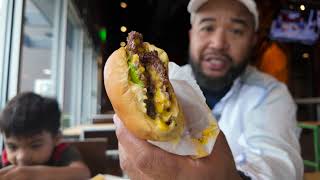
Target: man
point(254, 111)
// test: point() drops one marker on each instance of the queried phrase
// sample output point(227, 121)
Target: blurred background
point(58, 48)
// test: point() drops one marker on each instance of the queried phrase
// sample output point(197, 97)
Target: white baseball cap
point(194, 5)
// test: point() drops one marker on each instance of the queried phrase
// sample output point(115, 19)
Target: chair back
point(93, 152)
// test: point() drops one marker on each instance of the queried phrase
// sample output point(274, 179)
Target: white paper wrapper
point(201, 128)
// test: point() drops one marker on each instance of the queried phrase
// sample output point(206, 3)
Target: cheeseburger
point(137, 84)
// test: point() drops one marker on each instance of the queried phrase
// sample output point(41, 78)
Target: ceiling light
point(302, 7)
point(123, 29)
point(46, 71)
point(123, 5)
point(122, 44)
point(305, 55)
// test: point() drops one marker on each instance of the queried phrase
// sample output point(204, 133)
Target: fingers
point(221, 146)
point(128, 165)
point(221, 140)
point(5, 170)
point(133, 149)
point(133, 144)
point(11, 174)
point(140, 158)
point(221, 159)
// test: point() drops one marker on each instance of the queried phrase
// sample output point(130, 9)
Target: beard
point(217, 84)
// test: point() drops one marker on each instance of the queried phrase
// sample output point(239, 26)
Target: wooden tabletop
point(78, 130)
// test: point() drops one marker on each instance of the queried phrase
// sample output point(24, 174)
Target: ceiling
point(162, 22)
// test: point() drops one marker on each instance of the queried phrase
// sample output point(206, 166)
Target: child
point(30, 126)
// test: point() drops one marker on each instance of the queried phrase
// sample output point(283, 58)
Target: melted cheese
point(161, 125)
point(161, 98)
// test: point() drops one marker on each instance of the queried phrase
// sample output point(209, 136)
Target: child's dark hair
point(29, 114)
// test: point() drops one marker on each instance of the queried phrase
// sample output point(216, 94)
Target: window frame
point(87, 79)
point(70, 13)
point(5, 34)
point(15, 49)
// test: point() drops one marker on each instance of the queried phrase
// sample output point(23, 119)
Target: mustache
point(216, 84)
point(216, 55)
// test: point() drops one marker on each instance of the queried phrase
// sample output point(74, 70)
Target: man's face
point(27, 151)
point(221, 38)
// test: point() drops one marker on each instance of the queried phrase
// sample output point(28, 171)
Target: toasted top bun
point(127, 99)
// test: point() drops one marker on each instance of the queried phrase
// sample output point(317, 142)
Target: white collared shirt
point(258, 118)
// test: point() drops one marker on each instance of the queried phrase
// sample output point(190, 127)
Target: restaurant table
point(105, 130)
point(81, 130)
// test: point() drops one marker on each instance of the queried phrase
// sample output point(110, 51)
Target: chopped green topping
point(133, 72)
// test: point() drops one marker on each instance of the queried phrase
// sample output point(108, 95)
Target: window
point(1, 7)
point(43, 50)
point(2, 31)
point(37, 47)
point(96, 85)
point(5, 10)
point(87, 80)
point(69, 69)
point(73, 68)
point(2, 27)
